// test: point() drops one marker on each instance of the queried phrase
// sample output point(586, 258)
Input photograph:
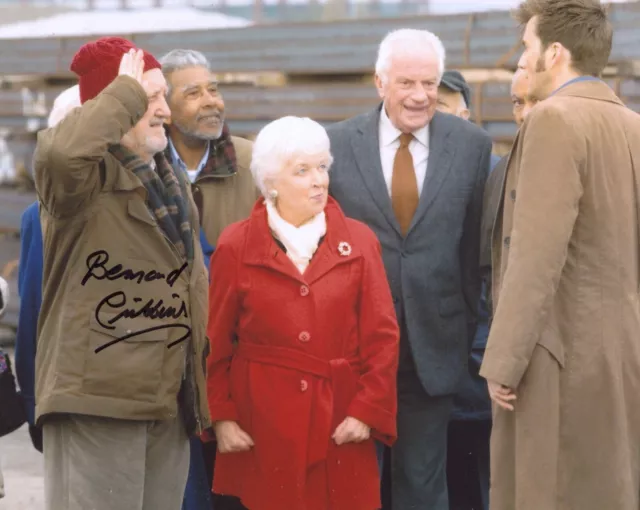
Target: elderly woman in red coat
point(304, 339)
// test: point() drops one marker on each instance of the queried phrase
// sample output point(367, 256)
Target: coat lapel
point(441, 152)
point(497, 217)
point(262, 250)
point(366, 149)
point(329, 254)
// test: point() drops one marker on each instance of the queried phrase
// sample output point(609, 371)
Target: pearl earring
point(273, 194)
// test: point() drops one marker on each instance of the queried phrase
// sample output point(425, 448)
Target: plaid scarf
point(166, 192)
point(222, 156)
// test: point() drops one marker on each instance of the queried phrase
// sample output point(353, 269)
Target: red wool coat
point(292, 355)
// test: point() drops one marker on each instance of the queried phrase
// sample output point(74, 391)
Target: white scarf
point(301, 242)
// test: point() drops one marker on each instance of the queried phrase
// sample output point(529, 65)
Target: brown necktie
point(404, 186)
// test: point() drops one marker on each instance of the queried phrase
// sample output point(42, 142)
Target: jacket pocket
point(552, 342)
point(125, 359)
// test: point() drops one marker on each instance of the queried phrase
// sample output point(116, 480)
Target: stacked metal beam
point(481, 40)
point(323, 57)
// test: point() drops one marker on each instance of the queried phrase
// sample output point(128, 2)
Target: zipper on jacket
point(213, 177)
point(196, 402)
point(194, 381)
point(174, 249)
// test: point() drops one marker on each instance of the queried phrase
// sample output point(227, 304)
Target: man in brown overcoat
point(563, 357)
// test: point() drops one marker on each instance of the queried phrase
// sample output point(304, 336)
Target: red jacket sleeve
point(375, 402)
point(221, 330)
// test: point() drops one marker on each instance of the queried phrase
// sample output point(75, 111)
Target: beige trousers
point(94, 463)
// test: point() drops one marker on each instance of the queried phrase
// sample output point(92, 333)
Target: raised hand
point(132, 65)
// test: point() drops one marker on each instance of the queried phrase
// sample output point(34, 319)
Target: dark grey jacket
point(433, 272)
point(472, 401)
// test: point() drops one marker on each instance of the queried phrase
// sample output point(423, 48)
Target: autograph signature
point(150, 310)
point(117, 301)
point(148, 330)
point(97, 261)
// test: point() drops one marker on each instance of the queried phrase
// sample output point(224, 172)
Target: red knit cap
point(97, 64)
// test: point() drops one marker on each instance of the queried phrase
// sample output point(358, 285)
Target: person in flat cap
point(121, 335)
point(454, 95)
point(470, 422)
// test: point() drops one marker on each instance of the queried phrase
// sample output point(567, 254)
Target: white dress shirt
point(389, 137)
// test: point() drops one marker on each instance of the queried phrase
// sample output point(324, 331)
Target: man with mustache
point(116, 420)
point(217, 165)
point(216, 162)
point(562, 359)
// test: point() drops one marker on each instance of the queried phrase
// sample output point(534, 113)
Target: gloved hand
point(36, 437)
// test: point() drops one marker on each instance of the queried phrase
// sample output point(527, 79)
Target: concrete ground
point(22, 467)
point(23, 470)
point(21, 464)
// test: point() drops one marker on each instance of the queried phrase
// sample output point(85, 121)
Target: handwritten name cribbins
point(117, 305)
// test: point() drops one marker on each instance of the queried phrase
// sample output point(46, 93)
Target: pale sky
point(442, 6)
point(436, 6)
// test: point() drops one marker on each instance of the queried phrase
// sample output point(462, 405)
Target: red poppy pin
point(344, 249)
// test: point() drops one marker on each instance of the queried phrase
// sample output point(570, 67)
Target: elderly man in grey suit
point(416, 177)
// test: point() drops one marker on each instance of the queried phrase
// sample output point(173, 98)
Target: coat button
point(304, 385)
point(513, 194)
point(507, 241)
point(305, 336)
point(304, 290)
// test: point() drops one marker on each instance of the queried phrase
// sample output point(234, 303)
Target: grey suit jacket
point(433, 272)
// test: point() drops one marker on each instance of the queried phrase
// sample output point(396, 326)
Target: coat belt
point(327, 409)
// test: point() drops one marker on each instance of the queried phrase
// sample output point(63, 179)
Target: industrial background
point(273, 57)
point(299, 57)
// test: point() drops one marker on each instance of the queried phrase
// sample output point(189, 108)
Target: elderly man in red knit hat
point(121, 340)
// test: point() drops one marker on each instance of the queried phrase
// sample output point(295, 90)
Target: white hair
point(283, 139)
point(412, 42)
point(66, 101)
point(176, 60)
